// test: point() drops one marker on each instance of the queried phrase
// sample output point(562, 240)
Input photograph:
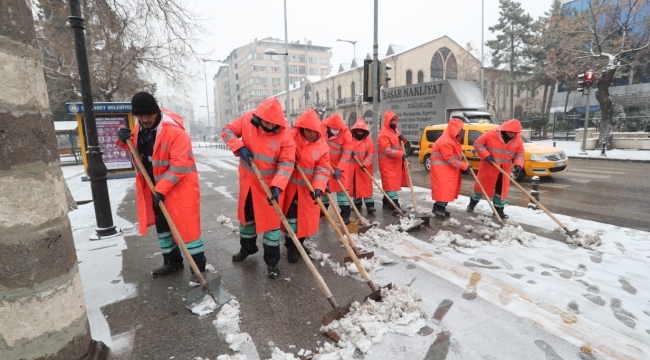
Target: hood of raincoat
point(389, 114)
point(177, 119)
point(309, 120)
point(360, 125)
point(511, 125)
point(454, 127)
point(335, 122)
point(270, 110)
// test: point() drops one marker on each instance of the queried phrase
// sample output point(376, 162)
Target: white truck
point(420, 105)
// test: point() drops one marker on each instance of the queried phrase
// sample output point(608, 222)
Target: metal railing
point(346, 101)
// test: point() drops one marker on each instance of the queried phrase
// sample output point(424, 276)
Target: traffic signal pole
point(583, 146)
point(376, 117)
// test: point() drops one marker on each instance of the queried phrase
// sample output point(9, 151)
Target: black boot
point(172, 263)
point(292, 251)
point(302, 242)
point(385, 204)
point(246, 247)
point(273, 271)
point(358, 205)
point(438, 211)
point(271, 258)
point(370, 207)
point(472, 205)
point(346, 210)
point(326, 205)
point(501, 213)
point(396, 213)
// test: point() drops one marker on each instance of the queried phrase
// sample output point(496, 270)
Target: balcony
point(323, 104)
point(346, 101)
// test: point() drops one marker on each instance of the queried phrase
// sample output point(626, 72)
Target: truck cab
point(471, 117)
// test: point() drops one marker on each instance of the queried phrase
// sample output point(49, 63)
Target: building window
point(275, 69)
point(339, 92)
point(451, 68)
point(353, 90)
point(317, 97)
point(275, 81)
point(327, 94)
point(259, 68)
point(324, 60)
point(307, 94)
point(313, 60)
point(443, 65)
point(313, 71)
point(409, 77)
point(420, 77)
point(292, 107)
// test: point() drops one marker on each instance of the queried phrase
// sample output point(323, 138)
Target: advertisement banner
point(114, 157)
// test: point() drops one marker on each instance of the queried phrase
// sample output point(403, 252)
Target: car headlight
point(537, 157)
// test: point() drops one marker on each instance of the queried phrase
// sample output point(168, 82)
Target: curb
point(609, 159)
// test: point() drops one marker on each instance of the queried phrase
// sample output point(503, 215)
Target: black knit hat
point(144, 103)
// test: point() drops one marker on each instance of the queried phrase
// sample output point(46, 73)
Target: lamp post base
point(107, 233)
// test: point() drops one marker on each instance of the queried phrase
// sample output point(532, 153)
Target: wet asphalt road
point(608, 191)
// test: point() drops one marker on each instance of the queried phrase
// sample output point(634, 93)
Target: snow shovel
point(417, 223)
point(484, 192)
point(376, 293)
point(337, 311)
point(366, 225)
point(195, 295)
point(424, 218)
point(570, 233)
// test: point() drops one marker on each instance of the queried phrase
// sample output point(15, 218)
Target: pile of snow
point(281, 355)
point(451, 222)
point(511, 235)
point(400, 311)
point(384, 239)
point(483, 220)
point(588, 241)
point(206, 306)
point(347, 269)
point(455, 241)
point(406, 223)
point(227, 222)
point(233, 357)
point(227, 324)
point(468, 228)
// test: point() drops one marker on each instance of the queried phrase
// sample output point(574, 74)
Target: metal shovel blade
point(376, 295)
point(337, 313)
point(411, 215)
point(570, 233)
point(367, 255)
point(196, 295)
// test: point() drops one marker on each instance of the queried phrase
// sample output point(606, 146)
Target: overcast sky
point(233, 23)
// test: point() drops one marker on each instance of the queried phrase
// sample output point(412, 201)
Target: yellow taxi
point(539, 159)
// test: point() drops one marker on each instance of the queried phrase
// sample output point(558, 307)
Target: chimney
point(468, 47)
point(323, 72)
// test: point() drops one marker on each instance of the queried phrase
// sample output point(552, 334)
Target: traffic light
point(589, 78)
point(368, 75)
point(585, 81)
point(383, 76)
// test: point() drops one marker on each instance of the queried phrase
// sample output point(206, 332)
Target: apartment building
point(248, 75)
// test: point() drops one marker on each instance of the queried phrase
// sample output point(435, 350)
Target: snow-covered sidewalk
point(572, 149)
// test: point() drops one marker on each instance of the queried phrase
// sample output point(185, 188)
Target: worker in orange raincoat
point(446, 165)
point(360, 185)
point(504, 147)
point(312, 154)
point(166, 152)
point(391, 159)
point(339, 140)
point(262, 136)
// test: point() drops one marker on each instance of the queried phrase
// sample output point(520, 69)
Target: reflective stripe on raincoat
point(176, 178)
point(446, 163)
point(313, 157)
point(391, 164)
point(491, 143)
point(339, 150)
point(274, 156)
point(360, 184)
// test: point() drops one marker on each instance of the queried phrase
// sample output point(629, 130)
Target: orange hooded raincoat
point(391, 164)
point(176, 178)
point(339, 150)
point(274, 155)
point(313, 157)
point(446, 163)
point(491, 143)
point(360, 184)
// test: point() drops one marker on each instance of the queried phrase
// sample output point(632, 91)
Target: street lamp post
point(271, 51)
point(354, 46)
point(205, 77)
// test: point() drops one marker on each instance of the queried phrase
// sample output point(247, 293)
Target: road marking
point(575, 329)
point(598, 171)
point(556, 186)
point(592, 176)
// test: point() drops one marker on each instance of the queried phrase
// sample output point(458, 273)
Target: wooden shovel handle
point(483, 191)
point(531, 197)
point(379, 187)
point(356, 211)
point(408, 173)
point(319, 279)
point(345, 243)
point(163, 209)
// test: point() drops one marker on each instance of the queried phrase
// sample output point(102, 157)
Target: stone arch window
point(444, 65)
point(353, 90)
point(339, 92)
point(409, 77)
point(317, 97)
point(327, 94)
point(519, 111)
point(307, 94)
point(420, 77)
point(352, 119)
point(292, 107)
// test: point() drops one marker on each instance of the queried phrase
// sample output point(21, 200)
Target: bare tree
point(608, 35)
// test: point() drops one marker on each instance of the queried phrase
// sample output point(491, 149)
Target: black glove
point(158, 198)
point(275, 193)
point(363, 167)
point(245, 154)
point(518, 168)
point(489, 159)
point(124, 134)
point(316, 195)
point(327, 190)
point(337, 174)
point(404, 156)
point(402, 137)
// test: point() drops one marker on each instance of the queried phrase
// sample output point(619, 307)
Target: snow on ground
point(227, 324)
point(100, 261)
point(217, 158)
point(572, 149)
point(223, 190)
point(347, 269)
point(227, 222)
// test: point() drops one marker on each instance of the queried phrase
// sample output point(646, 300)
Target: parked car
point(539, 159)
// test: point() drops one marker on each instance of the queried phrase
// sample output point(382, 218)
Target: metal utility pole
point(583, 146)
point(482, 47)
point(97, 172)
point(205, 77)
point(286, 59)
point(375, 91)
point(356, 72)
